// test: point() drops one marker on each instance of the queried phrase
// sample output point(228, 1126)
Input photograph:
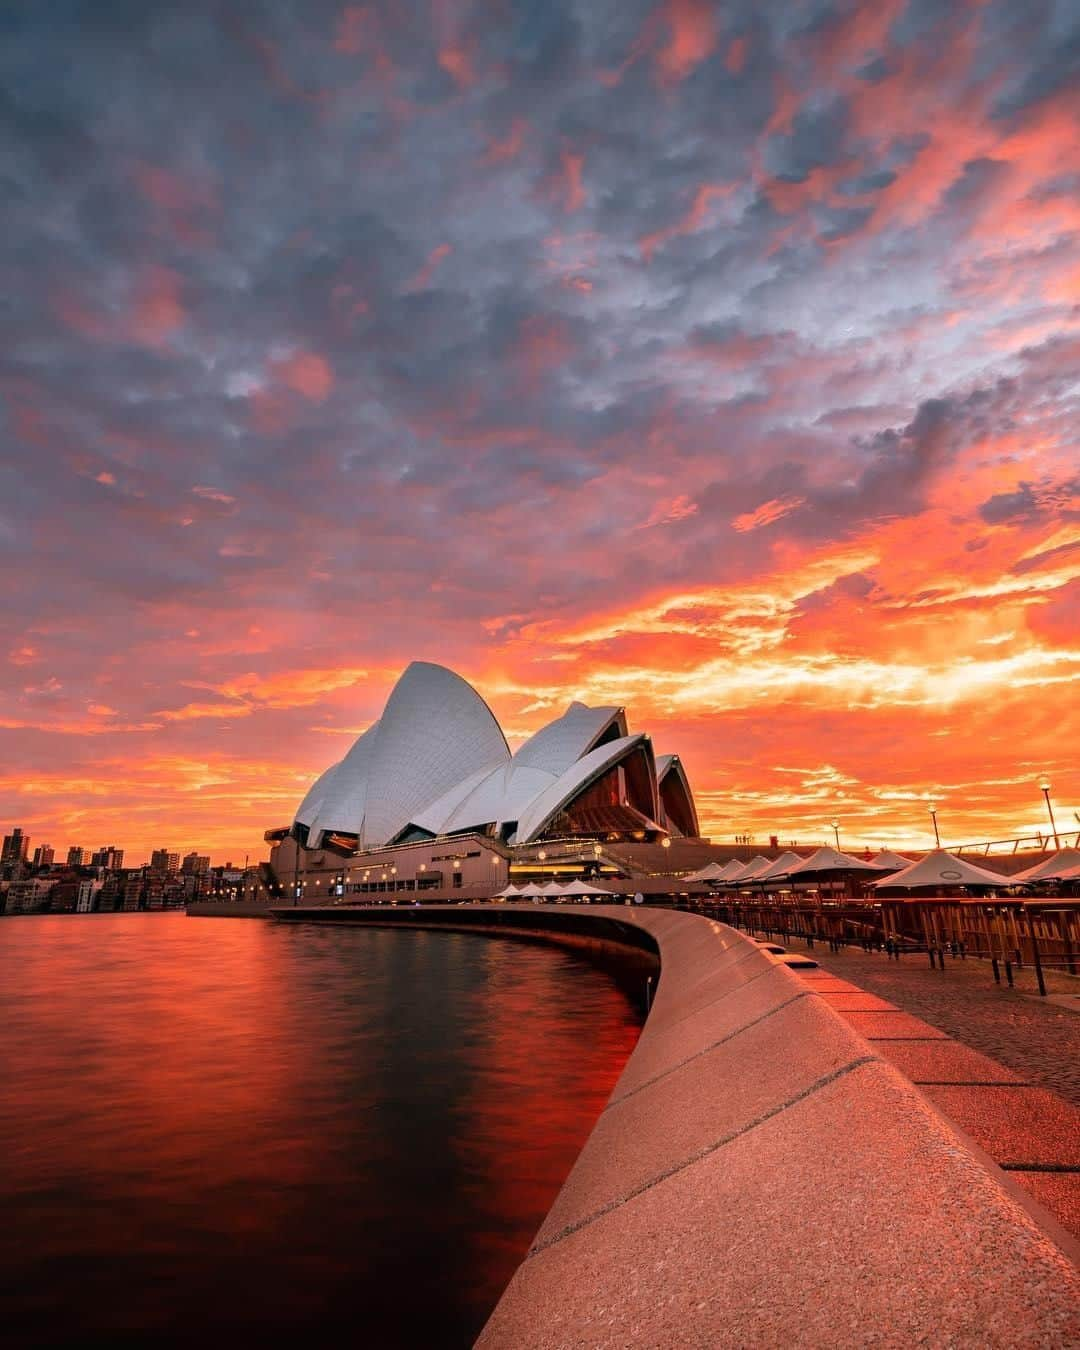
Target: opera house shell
point(436, 764)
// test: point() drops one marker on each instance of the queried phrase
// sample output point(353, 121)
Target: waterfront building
point(44, 855)
point(30, 896)
point(430, 798)
point(15, 848)
point(87, 895)
point(78, 857)
point(163, 860)
point(111, 858)
point(195, 864)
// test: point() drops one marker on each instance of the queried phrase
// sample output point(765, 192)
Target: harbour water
point(220, 1129)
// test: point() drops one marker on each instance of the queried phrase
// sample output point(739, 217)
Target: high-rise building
point(78, 857)
point(86, 896)
point(15, 848)
point(195, 864)
point(44, 855)
point(162, 860)
point(111, 858)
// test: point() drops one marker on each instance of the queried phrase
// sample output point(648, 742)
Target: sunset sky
point(722, 361)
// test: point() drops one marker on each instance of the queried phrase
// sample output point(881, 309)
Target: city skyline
point(716, 362)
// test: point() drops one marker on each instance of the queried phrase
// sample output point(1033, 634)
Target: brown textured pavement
point(761, 1177)
point(1039, 1039)
point(1029, 1131)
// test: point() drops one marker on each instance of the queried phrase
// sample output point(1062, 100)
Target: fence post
point(1035, 954)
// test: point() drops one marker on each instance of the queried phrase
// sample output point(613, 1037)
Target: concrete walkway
point(1039, 1039)
point(988, 1058)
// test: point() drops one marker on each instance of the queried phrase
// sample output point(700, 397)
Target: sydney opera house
point(430, 798)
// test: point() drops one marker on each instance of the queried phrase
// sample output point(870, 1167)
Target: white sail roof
point(493, 796)
point(1059, 864)
point(551, 801)
point(435, 731)
point(941, 868)
point(436, 760)
point(503, 794)
point(561, 743)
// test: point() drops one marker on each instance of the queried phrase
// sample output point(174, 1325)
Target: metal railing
point(1043, 933)
point(1038, 842)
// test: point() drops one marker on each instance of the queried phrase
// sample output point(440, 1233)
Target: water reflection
point(230, 1127)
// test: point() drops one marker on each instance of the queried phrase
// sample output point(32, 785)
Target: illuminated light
point(665, 843)
point(1044, 787)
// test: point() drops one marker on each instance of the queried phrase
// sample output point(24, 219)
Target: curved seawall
point(759, 1176)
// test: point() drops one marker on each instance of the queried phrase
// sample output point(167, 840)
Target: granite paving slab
point(1015, 1125)
point(806, 1229)
point(704, 1100)
point(943, 1062)
point(893, 1026)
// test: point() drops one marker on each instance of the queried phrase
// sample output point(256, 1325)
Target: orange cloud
point(692, 28)
point(575, 192)
point(500, 151)
point(767, 513)
point(154, 310)
point(423, 277)
point(289, 688)
point(306, 373)
point(705, 196)
point(671, 512)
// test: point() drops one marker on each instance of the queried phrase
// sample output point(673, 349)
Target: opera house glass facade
point(435, 773)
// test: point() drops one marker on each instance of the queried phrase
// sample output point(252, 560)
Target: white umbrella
point(579, 888)
point(781, 867)
point(729, 871)
point(830, 860)
point(531, 889)
point(940, 868)
point(506, 893)
point(1060, 864)
point(710, 872)
point(887, 860)
point(752, 869)
point(552, 888)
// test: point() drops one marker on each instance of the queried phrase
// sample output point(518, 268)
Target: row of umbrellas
point(937, 868)
point(553, 888)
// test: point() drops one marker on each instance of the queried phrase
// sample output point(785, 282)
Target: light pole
point(836, 834)
point(932, 808)
point(1044, 788)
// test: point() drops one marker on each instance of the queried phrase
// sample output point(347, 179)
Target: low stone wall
point(232, 909)
point(760, 1177)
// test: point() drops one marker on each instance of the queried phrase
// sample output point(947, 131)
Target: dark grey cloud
point(1005, 508)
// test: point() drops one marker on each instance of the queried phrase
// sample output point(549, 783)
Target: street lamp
point(836, 834)
point(932, 808)
point(1044, 788)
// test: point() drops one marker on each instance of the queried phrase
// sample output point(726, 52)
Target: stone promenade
point(1003, 1064)
point(1039, 1039)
